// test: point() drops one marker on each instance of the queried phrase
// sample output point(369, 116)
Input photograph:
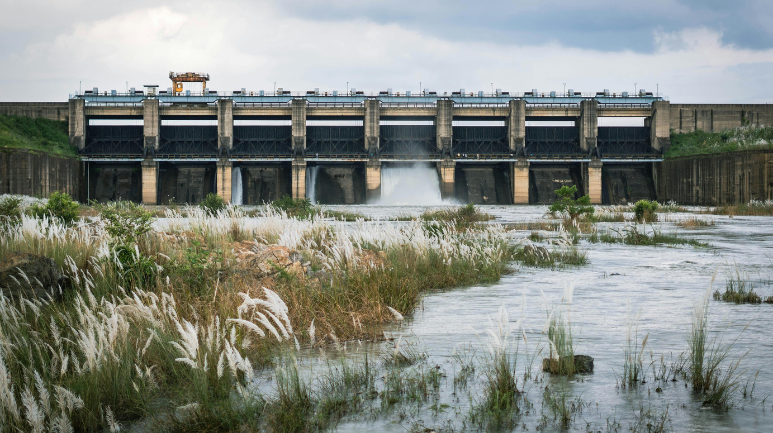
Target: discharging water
point(413, 185)
point(237, 190)
point(661, 284)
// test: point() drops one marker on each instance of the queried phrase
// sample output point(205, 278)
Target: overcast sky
point(695, 50)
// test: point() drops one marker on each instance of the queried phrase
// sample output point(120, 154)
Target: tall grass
point(558, 328)
point(714, 376)
point(753, 208)
point(633, 368)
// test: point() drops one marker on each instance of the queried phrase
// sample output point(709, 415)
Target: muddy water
point(660, 284)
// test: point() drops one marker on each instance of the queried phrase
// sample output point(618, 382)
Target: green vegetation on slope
point(44, 135)
point(729, 140)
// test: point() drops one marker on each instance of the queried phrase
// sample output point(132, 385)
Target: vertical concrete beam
point(151, 123)
point(149, 181)
point(299, 178)
point(520, 177)
point(447, 169)
point(223, 180)
point(588, 124)
point(77, 122)
point(444, 125)
point(660, 125)
point(594, 181)
point(516, 125)
point(299, 126)
point(225, 124)
point(372, 180)
point(372, 126)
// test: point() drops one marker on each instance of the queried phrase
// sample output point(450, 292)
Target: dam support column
point(149, 181)
point(151, 128)
point(447, 168)
point(516, 127)
point(520, 184)
point(372, 180)
point(299, 178)
point(223, 180)
point(444, 126)
point(225, 125)
point(594, 181)
point(299, 127)
point(372, 126)
point(77, 123)
point(588, 125)
point(660, 126)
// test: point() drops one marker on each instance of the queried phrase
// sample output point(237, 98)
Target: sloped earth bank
point(662, 284)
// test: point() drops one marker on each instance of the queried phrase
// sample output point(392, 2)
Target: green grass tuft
point(50, 136)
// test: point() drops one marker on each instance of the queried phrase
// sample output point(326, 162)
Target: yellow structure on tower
point(178, 78)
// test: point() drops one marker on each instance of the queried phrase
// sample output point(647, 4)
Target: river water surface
point(661, 284)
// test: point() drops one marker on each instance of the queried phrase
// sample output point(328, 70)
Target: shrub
point(125, 222)
point(568, 204)
point(10, 210)
point(213, 203)
point(300, 208)
point(644, 210)
point(59, 206)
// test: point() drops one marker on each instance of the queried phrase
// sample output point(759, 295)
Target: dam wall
point(717, 117)
point(38, 174)
point(45, 110)
point(716, 180)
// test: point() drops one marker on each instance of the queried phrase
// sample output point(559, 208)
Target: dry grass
point(694, 222)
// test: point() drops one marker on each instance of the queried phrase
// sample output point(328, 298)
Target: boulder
point(582, 364)
point(44, 278)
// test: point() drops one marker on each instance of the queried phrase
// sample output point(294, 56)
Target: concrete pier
point(223, 180)
point(372, 126)
point(298, 130)
point(151, 125)
point(225, 126)
point(373, 180)
point(447, 169)
point(299, 178)
point(660, 125)
point(149, 181)
point(516, 125)
point(594, 181)
point(77, 123)
point(588, 124)
point(444, 125)
point(520, 179)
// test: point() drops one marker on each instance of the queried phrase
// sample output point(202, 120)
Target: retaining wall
point(38, 174)
point(46, 110)
point(715, 180)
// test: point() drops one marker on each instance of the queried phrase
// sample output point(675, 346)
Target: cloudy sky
point(692, 50)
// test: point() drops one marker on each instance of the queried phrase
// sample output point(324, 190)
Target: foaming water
point(236, 187)
point(311, 183)
point(414, 185)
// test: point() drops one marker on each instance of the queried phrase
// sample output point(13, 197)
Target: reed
point(633, 368)
point(738, 290)
point(753, 208)
point(558, 329)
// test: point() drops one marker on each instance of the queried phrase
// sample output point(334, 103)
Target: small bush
point(59, 206)
point(213, 204)
point(566, 203)
point(10, 210)
point(125, 222)
point(462, 217)
point(644, 210)
point(300, 208)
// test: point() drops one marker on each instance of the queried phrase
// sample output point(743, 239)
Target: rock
point(582, 364)
point(44, 276)
point(267, 260)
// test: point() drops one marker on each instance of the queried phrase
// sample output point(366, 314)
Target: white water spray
point(236, 187)
point(311, 183)
point(412, 185)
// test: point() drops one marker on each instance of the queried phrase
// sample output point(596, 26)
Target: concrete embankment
point(38, 174)
point(718, 179)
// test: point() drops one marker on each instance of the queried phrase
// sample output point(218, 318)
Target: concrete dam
point(156, 147)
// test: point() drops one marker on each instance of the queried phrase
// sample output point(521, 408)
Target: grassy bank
point(19, 132)
point(171, 323)
point(729, 140)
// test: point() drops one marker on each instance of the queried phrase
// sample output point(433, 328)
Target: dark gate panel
point(271, 140)
point(624, 140)
point(188, 141)
point(110, 140)
point(480, 140)
point(331, 141)
point(398, 141)
point(552, 141)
